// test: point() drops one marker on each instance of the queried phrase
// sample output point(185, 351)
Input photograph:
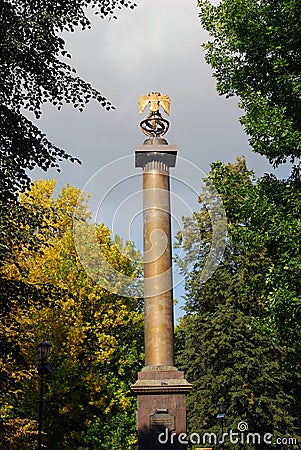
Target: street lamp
point(44, 368)
point(221, 416)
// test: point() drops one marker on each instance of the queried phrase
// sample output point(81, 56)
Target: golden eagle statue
point(155, 99)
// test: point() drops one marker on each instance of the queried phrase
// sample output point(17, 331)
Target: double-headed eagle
point(155, 99)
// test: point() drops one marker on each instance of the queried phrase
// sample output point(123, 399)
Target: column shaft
point(158, 295)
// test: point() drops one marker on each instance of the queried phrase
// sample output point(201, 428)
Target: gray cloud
point(155, 47)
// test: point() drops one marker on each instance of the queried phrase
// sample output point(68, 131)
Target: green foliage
point(239, 342)
point(34, 70)
point(231, 363)
point(254, 51)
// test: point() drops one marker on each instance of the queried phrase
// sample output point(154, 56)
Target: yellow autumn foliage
point(95, 335)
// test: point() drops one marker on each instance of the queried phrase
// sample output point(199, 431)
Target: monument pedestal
point(161, 422)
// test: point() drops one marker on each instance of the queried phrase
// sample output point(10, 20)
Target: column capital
point(146, 153)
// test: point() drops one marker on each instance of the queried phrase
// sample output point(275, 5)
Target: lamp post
point(221, 416)
point(43, 368)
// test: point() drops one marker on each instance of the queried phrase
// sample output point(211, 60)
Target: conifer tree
point(231, 343)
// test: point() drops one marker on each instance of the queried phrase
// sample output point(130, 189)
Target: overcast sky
point(155, 47)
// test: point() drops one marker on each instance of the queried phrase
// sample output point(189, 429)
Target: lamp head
point(43, 350)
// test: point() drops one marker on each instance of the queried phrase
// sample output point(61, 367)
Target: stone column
point(158, 294)
point(161, 389)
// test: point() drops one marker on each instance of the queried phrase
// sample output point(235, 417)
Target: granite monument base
point(161, 416)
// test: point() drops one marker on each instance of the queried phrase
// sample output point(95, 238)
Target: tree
point(230, 362)
point(95, 335)
point(18, 231)
point(234, 343)
point(34, 70)
point(255, 54)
